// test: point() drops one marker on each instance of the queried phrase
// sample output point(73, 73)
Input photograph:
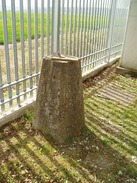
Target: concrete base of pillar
point(59, 105)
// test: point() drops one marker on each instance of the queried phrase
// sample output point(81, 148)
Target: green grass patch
point(9, 26)
point(97, 23)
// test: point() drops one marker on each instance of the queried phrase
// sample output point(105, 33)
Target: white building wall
point(129, 54)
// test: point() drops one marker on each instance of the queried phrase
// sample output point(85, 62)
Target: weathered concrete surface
point(129, 54)
point(59, 105)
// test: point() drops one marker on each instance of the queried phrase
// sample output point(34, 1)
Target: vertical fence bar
point(100, 26)
point(111, 25)
point(106, 24)
point(91, 32)
point(30, 45)
point(93, 27)
point(36, 40)
point(78, 29)
point(103, 28)
point(85, 27)
point(1, 91)
point(70, 31)
point(55, 25)
point(62, 28)
point(66, 33)
point(5, 29)
point(85, 34)
point(48, 28)
point(22, 46)
point(74, 37)
point(94, 33)
point(81, 32)
point(103, 24)
point(88, 26)
point(115, 33)
point(107, 14)
point(98, 31)
point(88, 33)
point(42, 29)
point(15, 48)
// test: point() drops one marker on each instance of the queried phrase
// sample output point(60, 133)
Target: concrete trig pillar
point(59, 105)
point(129, 54)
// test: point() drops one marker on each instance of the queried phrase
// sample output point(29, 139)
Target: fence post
point(55, 26)
point(111, 26)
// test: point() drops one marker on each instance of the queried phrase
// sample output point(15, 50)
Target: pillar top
point(62, 58)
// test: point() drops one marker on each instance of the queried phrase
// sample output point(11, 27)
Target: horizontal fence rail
point(30, 29)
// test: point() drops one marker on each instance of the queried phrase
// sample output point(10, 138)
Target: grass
point(97, 23)
point(105, 151)
point(9, 26)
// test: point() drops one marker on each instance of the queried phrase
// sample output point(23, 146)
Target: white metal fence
point(30, 29)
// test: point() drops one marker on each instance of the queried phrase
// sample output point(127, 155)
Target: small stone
point(134, 159)
point(79, 160)
point(120, 173)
